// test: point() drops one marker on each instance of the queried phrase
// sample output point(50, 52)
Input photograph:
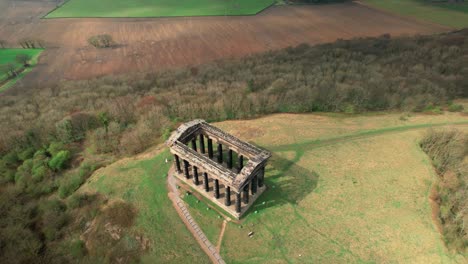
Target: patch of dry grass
point(370, 202)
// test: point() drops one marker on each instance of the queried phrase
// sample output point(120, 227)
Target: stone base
point(219, 202)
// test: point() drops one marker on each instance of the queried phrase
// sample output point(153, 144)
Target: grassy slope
point(9, 56)
point(452, 15)
point(360, 199)
point(143, 183)
point(358, 194)
point(157, 8)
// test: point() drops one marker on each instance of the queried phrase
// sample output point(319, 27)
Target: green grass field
point(9, 56)
point(158, 8)
point(342, 189)
point(143, 183)
point(449, 14)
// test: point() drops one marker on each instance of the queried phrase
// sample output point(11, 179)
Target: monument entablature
point(237, 168)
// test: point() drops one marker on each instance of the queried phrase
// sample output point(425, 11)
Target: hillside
point(340, 189)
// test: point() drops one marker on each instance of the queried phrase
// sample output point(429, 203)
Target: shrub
point(448, 150)
point(77, 249)
point(71, 183)
point(455, 108)
point(38, 173)
point(59, 161)
point(101, 41)
point(55, 147)
point(26, 154)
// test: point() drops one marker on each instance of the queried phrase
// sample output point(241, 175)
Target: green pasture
point(358, 193)
point(143, 184)
point(341, 189)
point(158, 8)
point(9, 56)
point(449, 14)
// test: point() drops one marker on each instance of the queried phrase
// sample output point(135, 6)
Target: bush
point(26, 154)
point(55, 147)
point(71, 183)
point(101, 41)
point(79, 200)
point(455, 108)
point(59, 161)
point(78, 249)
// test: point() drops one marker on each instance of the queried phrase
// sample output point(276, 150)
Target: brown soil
point(155, 44)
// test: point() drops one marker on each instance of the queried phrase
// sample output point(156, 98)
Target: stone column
point(227, 202)
point(246, 194)
point(261, 177)
point(216, 188)
point(177, 163)
point(229, 159)
point(195, 175)
point(238, 202)
point(210, 148)
point(253, 185)
point(194, 144)
point(240, 163)
point(202, 144)
point(186, 169)
point(220, 153)
point(205, 182)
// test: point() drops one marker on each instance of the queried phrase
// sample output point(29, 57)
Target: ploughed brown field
point(160, 43)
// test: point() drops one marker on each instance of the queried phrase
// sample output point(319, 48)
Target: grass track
point(449, 14)
point(158, 8)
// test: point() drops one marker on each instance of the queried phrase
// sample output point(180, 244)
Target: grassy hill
point(342, 188)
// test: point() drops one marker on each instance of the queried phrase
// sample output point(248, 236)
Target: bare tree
point(9, 69)
point(23, 59)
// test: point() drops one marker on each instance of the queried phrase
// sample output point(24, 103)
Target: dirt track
point(155, 44)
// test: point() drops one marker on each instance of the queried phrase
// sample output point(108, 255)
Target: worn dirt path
point(221, 235)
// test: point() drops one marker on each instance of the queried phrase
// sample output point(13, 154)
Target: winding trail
point(192, 226)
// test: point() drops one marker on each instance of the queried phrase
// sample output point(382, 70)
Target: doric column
point(227, 202)
point(195, 175)
point(238, 202)
point(205, 182)
point(202, 144)
point(220, 153)
point(186, 169)
point(216, 188)
point(246, 194)
point(229, 159)
point(253, 185)
point(210, 148)
point(177, 163)
point(240, 163)
point(194, 144)
point(261, 177)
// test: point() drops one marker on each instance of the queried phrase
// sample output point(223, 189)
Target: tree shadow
point(287, 183)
